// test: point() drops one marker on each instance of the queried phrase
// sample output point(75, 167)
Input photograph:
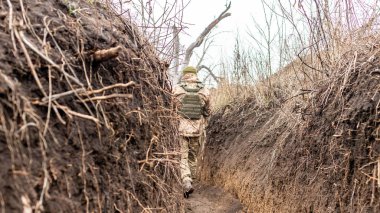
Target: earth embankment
point(316, 151)
point(85, 112)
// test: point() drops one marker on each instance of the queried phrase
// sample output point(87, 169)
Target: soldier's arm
point(205, 94)
point(177, 93)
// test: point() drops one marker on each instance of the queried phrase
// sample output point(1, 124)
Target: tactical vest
point(191, 103)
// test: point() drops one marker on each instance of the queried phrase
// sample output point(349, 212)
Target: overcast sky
point(200, 13)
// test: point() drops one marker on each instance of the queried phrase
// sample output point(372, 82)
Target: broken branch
point(103, 55)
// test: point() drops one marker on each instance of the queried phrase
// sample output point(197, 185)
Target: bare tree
point(207, 43)
point(161, 22)
point(156, 20)
point(200, 39)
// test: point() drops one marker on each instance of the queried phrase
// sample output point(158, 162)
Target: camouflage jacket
point(187, 127)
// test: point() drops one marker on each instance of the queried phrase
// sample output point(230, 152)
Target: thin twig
point(83, 92)
point(32, 47)
point(104, 97)
point(131, 83)
point(49, 103)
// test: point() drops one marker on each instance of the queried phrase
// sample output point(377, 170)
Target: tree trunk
point(176, 75)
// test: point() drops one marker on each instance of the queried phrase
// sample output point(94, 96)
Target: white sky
point(200, 13)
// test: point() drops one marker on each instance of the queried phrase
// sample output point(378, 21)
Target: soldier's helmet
point(189, 69)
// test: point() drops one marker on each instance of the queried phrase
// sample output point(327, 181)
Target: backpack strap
point(199, 86)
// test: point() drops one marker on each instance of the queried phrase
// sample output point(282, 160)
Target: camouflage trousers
point(190, 150)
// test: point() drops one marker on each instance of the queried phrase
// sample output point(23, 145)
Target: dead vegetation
point(86, 114)
point(310, 132)
point(319, 145)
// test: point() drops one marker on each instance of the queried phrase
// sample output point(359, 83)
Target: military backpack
point(191, 103)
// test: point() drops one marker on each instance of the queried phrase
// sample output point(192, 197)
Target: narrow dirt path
point(211, 199)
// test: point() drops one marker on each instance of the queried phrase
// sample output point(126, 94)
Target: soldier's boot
point(187, 188)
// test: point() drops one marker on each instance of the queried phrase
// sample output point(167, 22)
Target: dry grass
point(304, 132)
point(319, 122)
point(294, 83)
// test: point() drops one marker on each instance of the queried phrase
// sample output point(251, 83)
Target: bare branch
point(206, 46)
point(104, 97)
point(201, 37)
point(103, 55)
point(210, 71)
point(83, 92)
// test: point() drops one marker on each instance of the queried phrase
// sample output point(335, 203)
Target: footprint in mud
point(211, 199)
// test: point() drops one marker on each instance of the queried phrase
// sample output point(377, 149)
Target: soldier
point(194, 108)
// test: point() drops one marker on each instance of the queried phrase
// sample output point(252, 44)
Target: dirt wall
point(83, 128)
point(321, 156)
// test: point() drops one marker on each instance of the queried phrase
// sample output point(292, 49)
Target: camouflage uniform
point(191, 130)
